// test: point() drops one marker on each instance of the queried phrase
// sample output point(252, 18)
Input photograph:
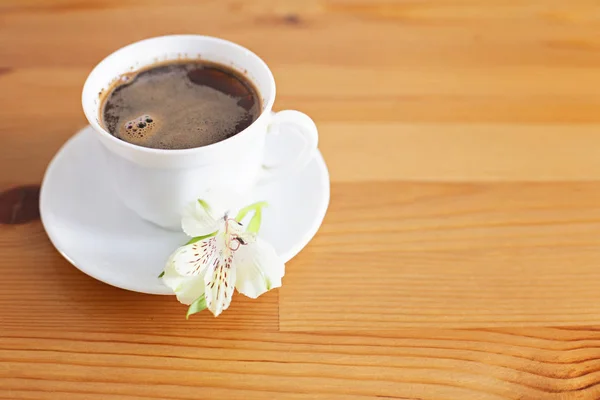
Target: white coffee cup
point(157, 183)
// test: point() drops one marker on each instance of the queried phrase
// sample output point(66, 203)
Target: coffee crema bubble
point(138, 130)
point(179, 105)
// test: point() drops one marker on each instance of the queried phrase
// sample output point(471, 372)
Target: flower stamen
point(236, 240)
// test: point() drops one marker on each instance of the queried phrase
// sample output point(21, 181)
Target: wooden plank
point(48, 99)
point(460, 152)
point(392, 255)
point(366, 33)
point(542, 363)
point(41, 291)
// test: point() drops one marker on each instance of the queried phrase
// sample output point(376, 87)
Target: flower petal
point(194, 259)
point(258, 268)
point(220, 281)
point(197, 219)
point(190, 290)
point(204, 216)
point(187, 288)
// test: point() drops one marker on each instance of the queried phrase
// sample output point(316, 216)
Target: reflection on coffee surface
point(180, 105)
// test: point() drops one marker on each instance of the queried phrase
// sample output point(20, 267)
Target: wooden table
point(460, 258)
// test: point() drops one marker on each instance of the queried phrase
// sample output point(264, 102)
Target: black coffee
point(180, 105)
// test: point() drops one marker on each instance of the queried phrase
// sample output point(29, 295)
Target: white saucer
point(91, 228)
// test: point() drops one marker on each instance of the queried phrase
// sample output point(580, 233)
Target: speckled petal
point(186, 288)
point(219, 282)
point(194, 259)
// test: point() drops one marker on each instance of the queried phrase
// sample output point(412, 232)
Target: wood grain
point(459, 257)
point(406, 364)
point(40, 290)
point(398, 254)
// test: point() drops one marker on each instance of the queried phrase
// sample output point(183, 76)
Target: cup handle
point(286, 122)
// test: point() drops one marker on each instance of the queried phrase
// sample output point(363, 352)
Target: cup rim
point(266, 111)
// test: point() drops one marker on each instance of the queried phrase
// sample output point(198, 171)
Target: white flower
point(223, 255)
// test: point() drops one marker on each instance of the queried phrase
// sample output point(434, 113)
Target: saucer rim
point(325, 183)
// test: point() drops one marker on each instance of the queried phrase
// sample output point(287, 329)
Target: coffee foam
point(167, 107)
